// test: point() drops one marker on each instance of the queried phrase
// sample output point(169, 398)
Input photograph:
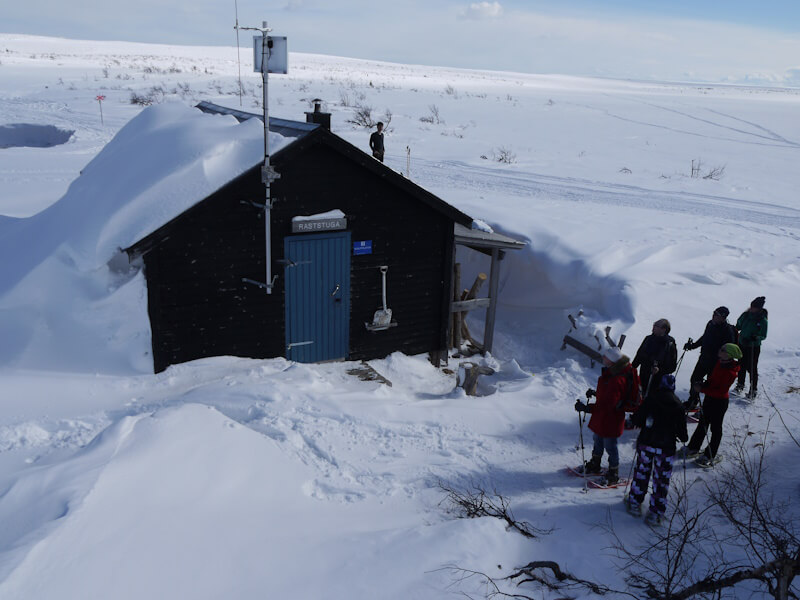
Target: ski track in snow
point(461, 175)
point(762, 136)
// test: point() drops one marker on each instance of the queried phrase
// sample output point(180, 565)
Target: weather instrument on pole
point(277, 54)
point(270, 55)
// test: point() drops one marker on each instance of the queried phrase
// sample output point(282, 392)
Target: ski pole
point(650, 379)
point(630, 474)
point(583, 455)
point(680, 360)
point(752, 360)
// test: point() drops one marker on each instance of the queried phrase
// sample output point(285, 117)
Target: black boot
point(592, 466)
point(612, 476)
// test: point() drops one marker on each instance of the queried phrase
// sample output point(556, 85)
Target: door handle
point(335, 290)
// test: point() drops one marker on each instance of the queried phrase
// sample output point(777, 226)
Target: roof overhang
point(484, 241)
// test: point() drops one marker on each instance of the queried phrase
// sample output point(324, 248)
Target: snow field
point(249, 478)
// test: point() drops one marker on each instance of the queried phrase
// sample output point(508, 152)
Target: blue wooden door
point(317, 296)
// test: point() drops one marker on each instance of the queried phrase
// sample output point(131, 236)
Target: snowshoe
point(707, 462)
point(633, 507)
point(596, 480)
point(687, 453)
point(602, 483)
point(653, 520)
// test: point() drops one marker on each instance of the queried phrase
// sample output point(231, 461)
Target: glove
point(590, 392)
point(688, 346)
point(580, 406)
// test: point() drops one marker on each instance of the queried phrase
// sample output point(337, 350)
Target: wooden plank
point(581, 347)
point(467, 305)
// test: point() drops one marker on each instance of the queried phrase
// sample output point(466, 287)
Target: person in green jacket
point(752, 328)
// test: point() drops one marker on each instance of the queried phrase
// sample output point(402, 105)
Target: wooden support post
point(457, 316)
point(494, 282)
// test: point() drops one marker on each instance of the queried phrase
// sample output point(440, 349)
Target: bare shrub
point(432, 116)
point(504, 155)
point(715, 173)
point(140, 99)
point(362, 117)
point(476, 502)
point(154, 95)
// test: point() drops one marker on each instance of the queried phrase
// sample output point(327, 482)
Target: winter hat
point(758, 302)
point(733, 351)
point(612, 353)
point(668, 382)
point(722, 311)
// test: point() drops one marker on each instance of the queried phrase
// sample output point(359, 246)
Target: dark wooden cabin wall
point(408, 236)
point(199, 306)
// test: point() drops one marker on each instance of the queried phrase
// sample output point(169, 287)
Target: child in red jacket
point(608, 416)
point(715, 405)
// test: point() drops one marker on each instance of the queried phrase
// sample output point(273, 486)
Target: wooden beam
point(581, 347)
point(494, 282)
point(467, 305)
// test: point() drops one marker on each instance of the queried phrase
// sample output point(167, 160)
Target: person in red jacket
point(715, 405)
point(608, 416)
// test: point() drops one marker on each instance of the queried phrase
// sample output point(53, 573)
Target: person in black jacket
point(718, 333)
point(658, 355)
point(376, 143)
point(662, 421)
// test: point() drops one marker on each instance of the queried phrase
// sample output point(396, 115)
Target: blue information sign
point(364, 247)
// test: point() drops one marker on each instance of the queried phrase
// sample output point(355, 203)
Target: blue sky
point(712, 40)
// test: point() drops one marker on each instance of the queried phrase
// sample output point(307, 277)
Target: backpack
point(631, 398)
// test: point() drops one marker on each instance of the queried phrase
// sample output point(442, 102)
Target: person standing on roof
point(718, 332)
point(752, 327)
point(376, 142)
point(657, 356)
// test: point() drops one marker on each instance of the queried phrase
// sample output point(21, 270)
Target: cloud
point(481, 10)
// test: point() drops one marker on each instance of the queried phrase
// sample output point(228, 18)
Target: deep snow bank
point(59, 292)
point(32, 136)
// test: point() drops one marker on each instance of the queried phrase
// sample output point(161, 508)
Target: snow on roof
point(165, 160)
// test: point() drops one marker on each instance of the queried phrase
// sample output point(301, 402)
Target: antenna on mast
point(238, 58)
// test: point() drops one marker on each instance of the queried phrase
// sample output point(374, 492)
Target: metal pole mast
point(266, 171)
point(268, 174)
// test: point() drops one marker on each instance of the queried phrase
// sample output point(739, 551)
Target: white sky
point(710, 41)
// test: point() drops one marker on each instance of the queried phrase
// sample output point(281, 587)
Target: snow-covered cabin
point(342, 226)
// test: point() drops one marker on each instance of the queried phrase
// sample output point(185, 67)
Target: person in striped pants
point(662, 420)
